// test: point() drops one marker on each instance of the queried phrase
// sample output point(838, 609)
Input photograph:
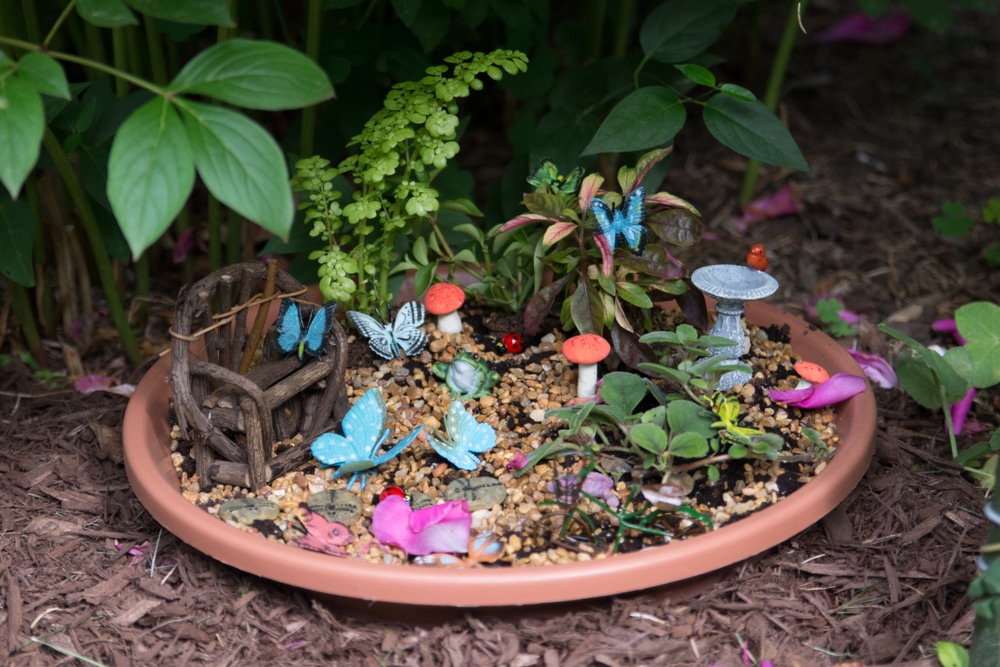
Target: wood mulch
point(891, 132)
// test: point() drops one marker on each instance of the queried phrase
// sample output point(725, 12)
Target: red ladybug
point(513, 342)
point(392, 491)
point(756, 259)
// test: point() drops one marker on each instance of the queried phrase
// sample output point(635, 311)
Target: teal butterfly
point(402, 337)
point(364, 432)
point(547, 174)
point(625, 222)
point(310, 340)
point(465, 436)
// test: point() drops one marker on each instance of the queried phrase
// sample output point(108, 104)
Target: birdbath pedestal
point(732, 286)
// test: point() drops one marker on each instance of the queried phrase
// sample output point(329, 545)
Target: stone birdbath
point(732, 285)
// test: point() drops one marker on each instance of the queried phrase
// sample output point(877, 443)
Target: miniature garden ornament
point(444, 300)
point(465, 437)
point(586, 350)
point(732, 286)
point(467, 376)
point(401, 337)
point(301, 341)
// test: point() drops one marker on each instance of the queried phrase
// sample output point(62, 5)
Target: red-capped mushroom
point(811, 372)
point(587, 350)
point(444, 300)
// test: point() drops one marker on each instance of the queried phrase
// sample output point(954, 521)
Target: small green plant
point(831, 322)
point(400, 151)
point(49, 379)
point(956, 220)
point(687, 360)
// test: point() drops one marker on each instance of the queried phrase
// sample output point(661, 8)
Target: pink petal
point(838, 388)
point(948, 326)
point(607, 258)
point(518, 461)
point(88, 384)
point(876, 368)
point(440, 528)
point(782, 202)
point(960, 411)
point(859, 27)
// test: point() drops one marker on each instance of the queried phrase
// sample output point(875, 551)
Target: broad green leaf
point(461, 206)
point(45, 74)
point(406, 10)
point(587, 309)
point(22, 123)
point(950, 654)
point(207, 12)
point(470, 230)
point(634, 294)
point(679, 30)
point(650, 437)
point(646, 118)
point(254, 75)
point(150, 173)
point(936, 373)
point(689, 445)
point(623, 390)
point(751, 130)
point(106, 13)
point(419, 250)
point(738, 92)
point(241, 165)
point(979, 324)
point(17, 234)
point(697, 74)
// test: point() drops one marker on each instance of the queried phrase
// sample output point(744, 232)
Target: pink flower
point(783, 202)
point(88, 384)
point(518, 461)
point(948, 326)
point(876, 368)
point(441, 528)
point(859, 27)
point(960, 411)
point(839, 387)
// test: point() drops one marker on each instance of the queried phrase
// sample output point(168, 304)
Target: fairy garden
point(536, 403)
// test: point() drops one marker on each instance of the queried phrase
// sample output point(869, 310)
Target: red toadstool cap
point(443, 298)
point(586, 349)
point(807, 370)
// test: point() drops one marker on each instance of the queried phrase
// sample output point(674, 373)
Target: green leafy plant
point(401, 150)
point(829, 316)
point(956, 220)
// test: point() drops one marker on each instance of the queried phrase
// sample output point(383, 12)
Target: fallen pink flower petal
point(860, 27)
point(948, 326)
point(876, 368)
point(783, 202)
point(441, 528)
point(960, 411)
point(838, 388)
point(88, 384)
point(518, 461)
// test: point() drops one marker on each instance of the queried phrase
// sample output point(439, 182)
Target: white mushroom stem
point(586, 382)
point(450, 323)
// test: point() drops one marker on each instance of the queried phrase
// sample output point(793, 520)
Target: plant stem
point(314, 25)
point(214, 215)
point(102, 259)
point(22, 308)
point(624, 28)
point(773, 91)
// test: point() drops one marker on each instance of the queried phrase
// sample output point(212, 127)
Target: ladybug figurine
point(512, 342)
point(392, 491)
point(756, 259)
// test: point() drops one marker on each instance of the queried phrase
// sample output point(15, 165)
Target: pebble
point(481, 492)
point(537, 415)
point(339, 506)
point(248, 510)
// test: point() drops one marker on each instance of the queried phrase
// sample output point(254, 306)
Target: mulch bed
point(891, 132)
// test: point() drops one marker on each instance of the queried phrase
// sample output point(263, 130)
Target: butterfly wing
point(605, 217)
point(379, 335)
point(405, 332)
point(399, 447)
point(465, 436)
point(364, 430)
point(570, 185)
point(319, 327)
point(289, 326)
point(632, 216)
point(545, 173)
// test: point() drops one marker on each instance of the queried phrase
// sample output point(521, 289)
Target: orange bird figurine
point(756, 259)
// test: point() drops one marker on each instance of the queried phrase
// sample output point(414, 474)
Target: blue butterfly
point(465, 435)
point(625, 222)
point(403, 337)
point(312, 341)
point(364, 432)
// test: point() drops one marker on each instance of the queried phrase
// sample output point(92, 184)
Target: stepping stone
point(481, 492)
point(339, 506)
point(248, 510)
point(419, 501)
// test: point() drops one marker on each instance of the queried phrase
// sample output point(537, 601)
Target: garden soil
point(891, 131)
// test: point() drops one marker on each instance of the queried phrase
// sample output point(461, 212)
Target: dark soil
point(891, 132)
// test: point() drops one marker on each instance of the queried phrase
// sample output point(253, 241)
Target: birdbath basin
point(732, 285)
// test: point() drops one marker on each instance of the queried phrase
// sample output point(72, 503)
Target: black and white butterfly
point(311, 340)
point(403, 336)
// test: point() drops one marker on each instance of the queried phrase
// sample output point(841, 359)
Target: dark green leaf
point(623, 390)
point(679, 30)
point(648, 117)
point(676, 226)
point(423, 277)
point(544, 203)
point(657, 261)
point(406, 10)
point(45, 74)
point(634, 294)
point(17, 236)
point(254, 75)
point(932, 14)
point(689, 445)
point(650, 437)
point(150, 173)
point(541, 304)
point(241, 165)
point(628, 348)
point(106, 13)
point(738, 92)
point(751, 130)
point(206, 12)
point(697, 74)
point(587, 309)
point(22, 123)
